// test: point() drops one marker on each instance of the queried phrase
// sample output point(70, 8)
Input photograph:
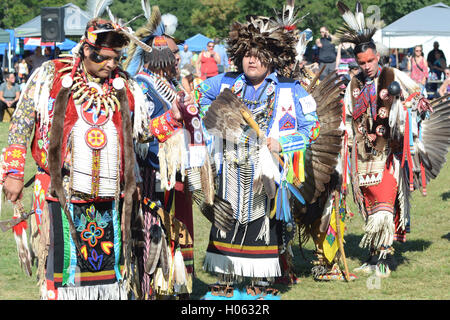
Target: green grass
point(423, 271)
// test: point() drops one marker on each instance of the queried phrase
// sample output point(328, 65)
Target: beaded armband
point(13, 162)
point(164, 126)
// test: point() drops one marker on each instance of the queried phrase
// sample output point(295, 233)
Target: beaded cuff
point(13, 163)
point(164, 126)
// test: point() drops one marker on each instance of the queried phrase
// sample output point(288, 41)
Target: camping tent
point(75, 21)
point(197, 42)
point(423, 26)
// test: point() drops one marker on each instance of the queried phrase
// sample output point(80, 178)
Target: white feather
point(266, 173)
point(170, 23)
point(96, 7)
point(393, 114)
point(359, 16)
point(350, 19)
point(111, 16)
point(180, 273)
point(301, 47)
point(146, 7)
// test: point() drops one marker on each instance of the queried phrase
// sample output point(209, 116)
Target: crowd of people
point(12, 81)
point(125, 148)
point(429, 71)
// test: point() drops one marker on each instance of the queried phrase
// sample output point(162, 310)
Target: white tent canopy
point(75, 21)
point(420, 27)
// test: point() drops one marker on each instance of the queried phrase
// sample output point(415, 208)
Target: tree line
point(213, 17)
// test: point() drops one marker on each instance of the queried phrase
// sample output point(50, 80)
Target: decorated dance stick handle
point(252, 123)
point(5, 225)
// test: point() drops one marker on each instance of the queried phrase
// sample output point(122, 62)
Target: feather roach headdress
point(272, 39)
point(357, 29)
point(158, 53)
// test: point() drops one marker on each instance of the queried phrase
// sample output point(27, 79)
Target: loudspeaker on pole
point(52, 24)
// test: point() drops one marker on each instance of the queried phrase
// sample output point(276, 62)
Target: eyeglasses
point(98, 58)
point(210, 46)
point(418, 50)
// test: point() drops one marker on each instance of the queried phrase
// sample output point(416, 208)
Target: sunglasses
point(98, 58)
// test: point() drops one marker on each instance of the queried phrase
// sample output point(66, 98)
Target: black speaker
point(52, 24)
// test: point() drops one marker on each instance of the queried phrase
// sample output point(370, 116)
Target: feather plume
point(146, 7)
point(356, 30)
point(97, 7)
point(321, 158)
point(359, 16)
point(433, 147)
point(347, 15)
point(170, 23)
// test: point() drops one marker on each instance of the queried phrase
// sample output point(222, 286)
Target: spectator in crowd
point(207, 62)
point(432, 54)
point(187, 78)
point(186, 56)
point(403, 66)
point(354, 69)
point(438, 66)
point(48, 53)
point(445, 87)
point(393, 58)
point(9, 93)
point(344, 57)
point(22, 71)
point(418, 67)
point(327, 53)
point(36, 59)
point(220, 48)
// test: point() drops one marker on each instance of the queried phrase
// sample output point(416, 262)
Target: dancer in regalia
point(249, 175)
point(84, 112)
point(165, 259)
point(398, 142)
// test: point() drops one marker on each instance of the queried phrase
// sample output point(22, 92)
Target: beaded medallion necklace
point(90, 92)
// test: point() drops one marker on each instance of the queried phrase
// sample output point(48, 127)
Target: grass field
point(423, 271)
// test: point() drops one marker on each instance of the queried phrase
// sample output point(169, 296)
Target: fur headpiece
point(273, 39)
point(157, 25)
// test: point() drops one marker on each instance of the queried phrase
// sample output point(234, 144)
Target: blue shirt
point(306, 121)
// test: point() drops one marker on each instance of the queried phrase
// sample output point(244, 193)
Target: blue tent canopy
point(67, 45)
point(4, 45)
point(197, 42)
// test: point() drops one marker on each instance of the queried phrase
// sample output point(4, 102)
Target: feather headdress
point(273, 38)
point(156, 25)
point(357, 29)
